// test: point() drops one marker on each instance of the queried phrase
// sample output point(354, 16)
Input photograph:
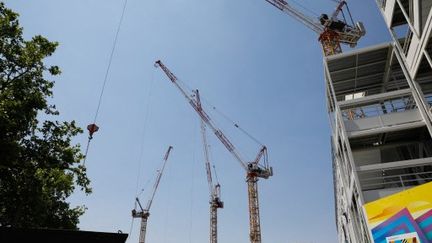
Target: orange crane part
point(332, 31)
point(254, 170)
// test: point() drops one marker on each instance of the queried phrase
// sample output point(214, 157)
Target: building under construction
point(379, 103)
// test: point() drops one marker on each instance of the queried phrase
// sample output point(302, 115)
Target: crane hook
point(92, 128)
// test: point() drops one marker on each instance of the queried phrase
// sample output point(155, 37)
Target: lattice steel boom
point(214, 189)
point(144, 213)
point(254, 170)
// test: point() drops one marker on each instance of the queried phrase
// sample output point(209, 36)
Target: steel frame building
point(379, 102)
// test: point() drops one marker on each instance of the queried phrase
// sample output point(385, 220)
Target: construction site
point(288, 121)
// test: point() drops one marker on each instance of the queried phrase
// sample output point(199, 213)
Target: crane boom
point(310, 22)
point(207, 159)
point(158, 178)
point(144, 213)
point(253, 169)
point(203, 115)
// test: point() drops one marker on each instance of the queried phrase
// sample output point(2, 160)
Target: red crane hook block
point(92, 128)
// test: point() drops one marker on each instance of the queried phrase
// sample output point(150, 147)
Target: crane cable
point(144, 131)
point(92, 128)
point(216, 176)
point(226, 117)
point(213, 165)
point(192, 190)
point(315, 14)
point(141, 154)
point(236, 125)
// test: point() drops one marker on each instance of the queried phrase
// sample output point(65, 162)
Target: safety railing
point(395, 181)
point(399, 104)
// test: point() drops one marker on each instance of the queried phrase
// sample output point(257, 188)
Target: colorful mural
point(403, 217)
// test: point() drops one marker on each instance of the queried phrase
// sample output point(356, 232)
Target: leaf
point(39, 166)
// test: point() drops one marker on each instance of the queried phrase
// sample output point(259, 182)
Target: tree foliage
point(39, 165)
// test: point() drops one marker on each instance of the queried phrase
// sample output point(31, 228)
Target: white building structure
point(379, 102)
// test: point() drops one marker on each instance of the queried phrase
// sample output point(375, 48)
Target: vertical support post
point(330, 43)
point(254, 218)
point(213, 223)
point(347, 156)
point(143, 229)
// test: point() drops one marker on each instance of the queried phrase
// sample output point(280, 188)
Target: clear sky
point(256, 64)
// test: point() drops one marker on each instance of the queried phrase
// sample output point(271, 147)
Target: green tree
point(39, 165)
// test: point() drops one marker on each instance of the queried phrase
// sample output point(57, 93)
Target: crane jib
point(254, 171)
point(203, 115)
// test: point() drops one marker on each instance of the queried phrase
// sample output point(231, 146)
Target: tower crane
point(214, 189)
point(254, 169)
point(332, 31)
point(144, 213)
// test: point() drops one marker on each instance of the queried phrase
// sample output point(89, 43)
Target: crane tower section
point(214, 189)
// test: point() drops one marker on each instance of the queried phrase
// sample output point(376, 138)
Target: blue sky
point(256, 64)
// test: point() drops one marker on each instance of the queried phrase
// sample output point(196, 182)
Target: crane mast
point(254, 170)
point(214, 189)
point(331, 30)
point(144, 213)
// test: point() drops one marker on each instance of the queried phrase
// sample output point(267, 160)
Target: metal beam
point(374, 98)
point(343, 81)
point(328, 59)
point(394, 128)
point(358, 66)
point(395, 165)
point(388, 70)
